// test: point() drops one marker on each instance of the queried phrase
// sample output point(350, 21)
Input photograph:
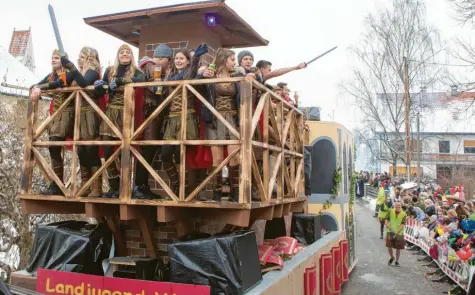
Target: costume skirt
point(89, 124)
point(172, 127)
point(116, 115)
point(395, 241)
point(218, 131)
point(63, 124)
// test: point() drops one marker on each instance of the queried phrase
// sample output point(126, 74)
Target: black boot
point(114, 188)
point(143, 192)
point(217, 186)
point(172, 173)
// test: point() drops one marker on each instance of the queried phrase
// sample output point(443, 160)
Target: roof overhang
point(122, 24)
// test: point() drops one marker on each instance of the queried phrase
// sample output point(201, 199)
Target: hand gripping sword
point(321, 55)
point(56, 30)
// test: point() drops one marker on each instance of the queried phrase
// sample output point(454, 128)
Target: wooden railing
point(282, 137)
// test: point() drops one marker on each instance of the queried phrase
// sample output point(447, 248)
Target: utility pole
point(418, 149)
point(407, 104)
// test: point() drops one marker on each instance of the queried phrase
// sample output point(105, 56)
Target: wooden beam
point(278, 210)
point(28, 157)
point(265, 153)
point(51, 207)
point(76, 134)
point(297, 206)
point(184, 116)
point(167, 214)
point(146, 228)
point(258, 180)
point(258, 112)
point(113, 223)
point(264, 213)
point(101, 210)
point(42, 128)
point(130, 212)
point(246, 144)
point(126, 159)
point(50, 171)
point(286, 209)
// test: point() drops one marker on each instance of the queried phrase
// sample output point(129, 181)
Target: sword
point(321, 55)
point(56, 30)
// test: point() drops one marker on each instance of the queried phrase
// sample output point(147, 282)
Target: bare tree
point(464, 10)
point(377, 86)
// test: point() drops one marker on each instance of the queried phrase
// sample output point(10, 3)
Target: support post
point(128, 126)
point(246, 142)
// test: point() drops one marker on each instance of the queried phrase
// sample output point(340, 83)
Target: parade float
point(282, 243)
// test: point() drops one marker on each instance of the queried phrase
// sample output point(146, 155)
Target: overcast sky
point(297, 30)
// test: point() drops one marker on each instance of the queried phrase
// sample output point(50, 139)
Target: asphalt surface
point(373, 276)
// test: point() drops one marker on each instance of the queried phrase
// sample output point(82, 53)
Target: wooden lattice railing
point(282, 138)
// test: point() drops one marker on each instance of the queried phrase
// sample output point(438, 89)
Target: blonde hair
point(222, 55)
point(91, 61)
point(132, 67)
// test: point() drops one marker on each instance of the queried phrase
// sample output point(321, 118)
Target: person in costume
point(184, 68)
point(154, 96)
point(395, 221)
point(383, 213)
point(89, 72)
point(62, 126)
point(225, 98)
point(124, 71)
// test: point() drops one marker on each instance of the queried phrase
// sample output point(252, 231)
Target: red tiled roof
point(19, 43)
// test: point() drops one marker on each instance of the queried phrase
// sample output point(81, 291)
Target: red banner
point(50, 282)
point(310, 281)
point(336, 255)
point(326, 274)
point(344, 260)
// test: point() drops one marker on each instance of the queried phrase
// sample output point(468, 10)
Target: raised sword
point(321, 55)
point(56, 30)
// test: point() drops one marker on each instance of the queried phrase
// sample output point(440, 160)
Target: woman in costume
point(184, 68)
point(89, 72)
point(124, 71)
point(225, 98)
point(62, 125)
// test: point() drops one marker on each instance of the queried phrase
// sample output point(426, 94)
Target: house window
point(469, 146)
point(444, 147)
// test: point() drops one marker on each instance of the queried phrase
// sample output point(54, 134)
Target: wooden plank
point(288, 123)
point(189, 82)
point(280, 123)
point(265, 213)
point(265, 153)
point(101, 169)
point(287, 182)
point(286, 209)
point(215, 112)
point(238, 217)
point(292, 159)
point(278, 210)
point(266, 146)
point(113, 223)
point(28, 157)
point(51, 207)
point(167, 214)
point(50, 171)
point(299, 176)
point(154, 174)
point(79, 142)
point(297, 206)
point(186, 142)
point(246, 145)
point(101, 210)
point(275, 126)
point(146, 228)
point(126, 159)
point(128, 212)
point(76, 132)
point(211, 175)
point(258, 112)
point(156, 112)
point(184, 116)
point(42, 171)
point(101, 114)
point(257, 179)
point(274, 173)
point(42, 128)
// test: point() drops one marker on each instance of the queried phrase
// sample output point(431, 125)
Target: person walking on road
point(379, 201)
point(383, 212)
point(395, 221)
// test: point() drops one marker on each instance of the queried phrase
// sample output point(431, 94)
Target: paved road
point(373, 276)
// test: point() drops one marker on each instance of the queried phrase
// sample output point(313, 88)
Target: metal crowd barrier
point(459, 271)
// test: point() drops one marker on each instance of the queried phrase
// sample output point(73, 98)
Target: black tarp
point(4, 290)
point(229, 263)
point(306, 228)
point(73, 246)
point(307, 169)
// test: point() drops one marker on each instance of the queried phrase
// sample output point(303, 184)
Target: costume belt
point(176, 114)
point(117, 107)
point(230, 112)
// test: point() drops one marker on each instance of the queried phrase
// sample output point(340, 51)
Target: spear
point(321, 55)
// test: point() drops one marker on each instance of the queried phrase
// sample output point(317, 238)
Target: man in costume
point(395, 221)
point(62, 125)
point(154, 96)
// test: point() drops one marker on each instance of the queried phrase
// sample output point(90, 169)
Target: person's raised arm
point(283, 71)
